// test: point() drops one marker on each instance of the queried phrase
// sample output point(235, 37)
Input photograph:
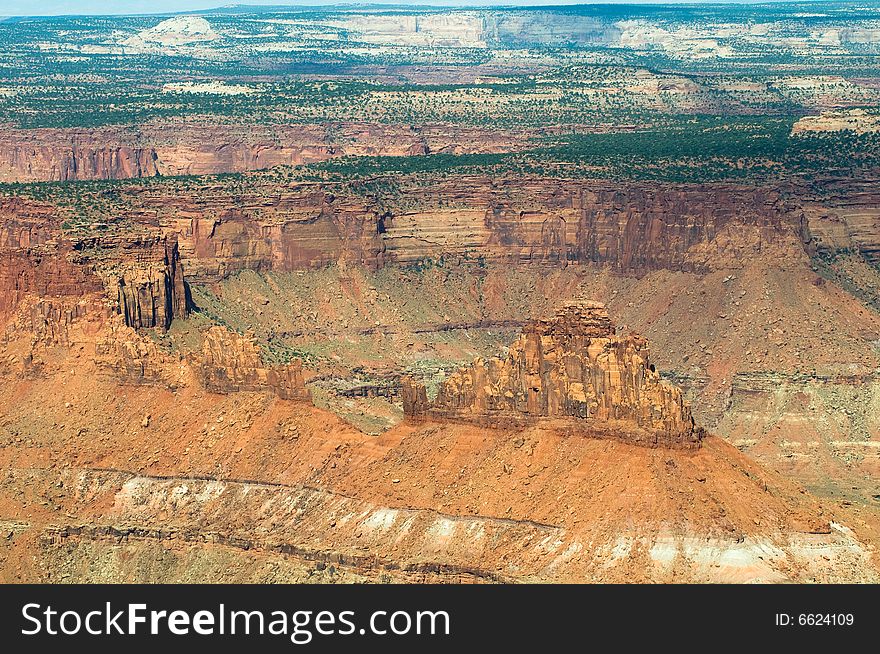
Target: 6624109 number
point(826, 619)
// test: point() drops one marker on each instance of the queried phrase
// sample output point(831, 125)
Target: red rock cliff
point(634, 230)
point(142, 272)
point(28, 155)
point(150, 286)
point(35, 259)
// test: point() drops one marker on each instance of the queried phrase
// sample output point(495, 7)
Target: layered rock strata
point(230, 363)
point(29, 155)
point(42, 272)
point(227, 363)
point(844, 217)
point(635, 230)
point(572, 366)
point(141, 271)
point(150, 286)
point(48, 155)
point(133, 359)
point(35, 259)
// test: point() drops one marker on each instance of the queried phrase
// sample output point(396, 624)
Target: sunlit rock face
point(570, 366)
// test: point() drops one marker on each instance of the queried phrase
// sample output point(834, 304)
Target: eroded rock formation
point(43, 272)
point(66, 155)
point(571, 366)
point(134, 359)
point(845, 217)
point(308, 228)
point(35, 259)
point(151, 290)
point(415, 398)
point(230, 362)
point(227, 363)
point(635, 229)
point(140, 271)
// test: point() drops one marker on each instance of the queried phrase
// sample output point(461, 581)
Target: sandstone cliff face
point(35, 259)
point(195, 150)
point(25, 223)
point(142, 272)
point(306, 229)
point(635, 229)
point(43, 272)
point(151, 290)
point(183, 149)
point(515, 30)
point(67, 155)
point(571, 366)
point(548, 222)
point(846, 218)
point(230, 363)
point(534, 221)
point(415, 398)
point(533, 28)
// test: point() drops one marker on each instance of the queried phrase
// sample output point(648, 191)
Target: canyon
point(215, 423)
point(335, 295)
point(238, 482)
point(668, 248)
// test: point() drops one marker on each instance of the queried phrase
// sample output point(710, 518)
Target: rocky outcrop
point(150, 286)
point(35, 259)
point(49, 321)
point(227, 363)
point(571, 366)
point(45, 333)
point(141, 270)
point(40, 328)
point(415, 398)
point(230, 363)
point(142, 274)
point(43, 272)
point(131, 358)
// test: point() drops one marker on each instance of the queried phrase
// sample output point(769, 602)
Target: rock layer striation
point(230, 363)
point(572, 366)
